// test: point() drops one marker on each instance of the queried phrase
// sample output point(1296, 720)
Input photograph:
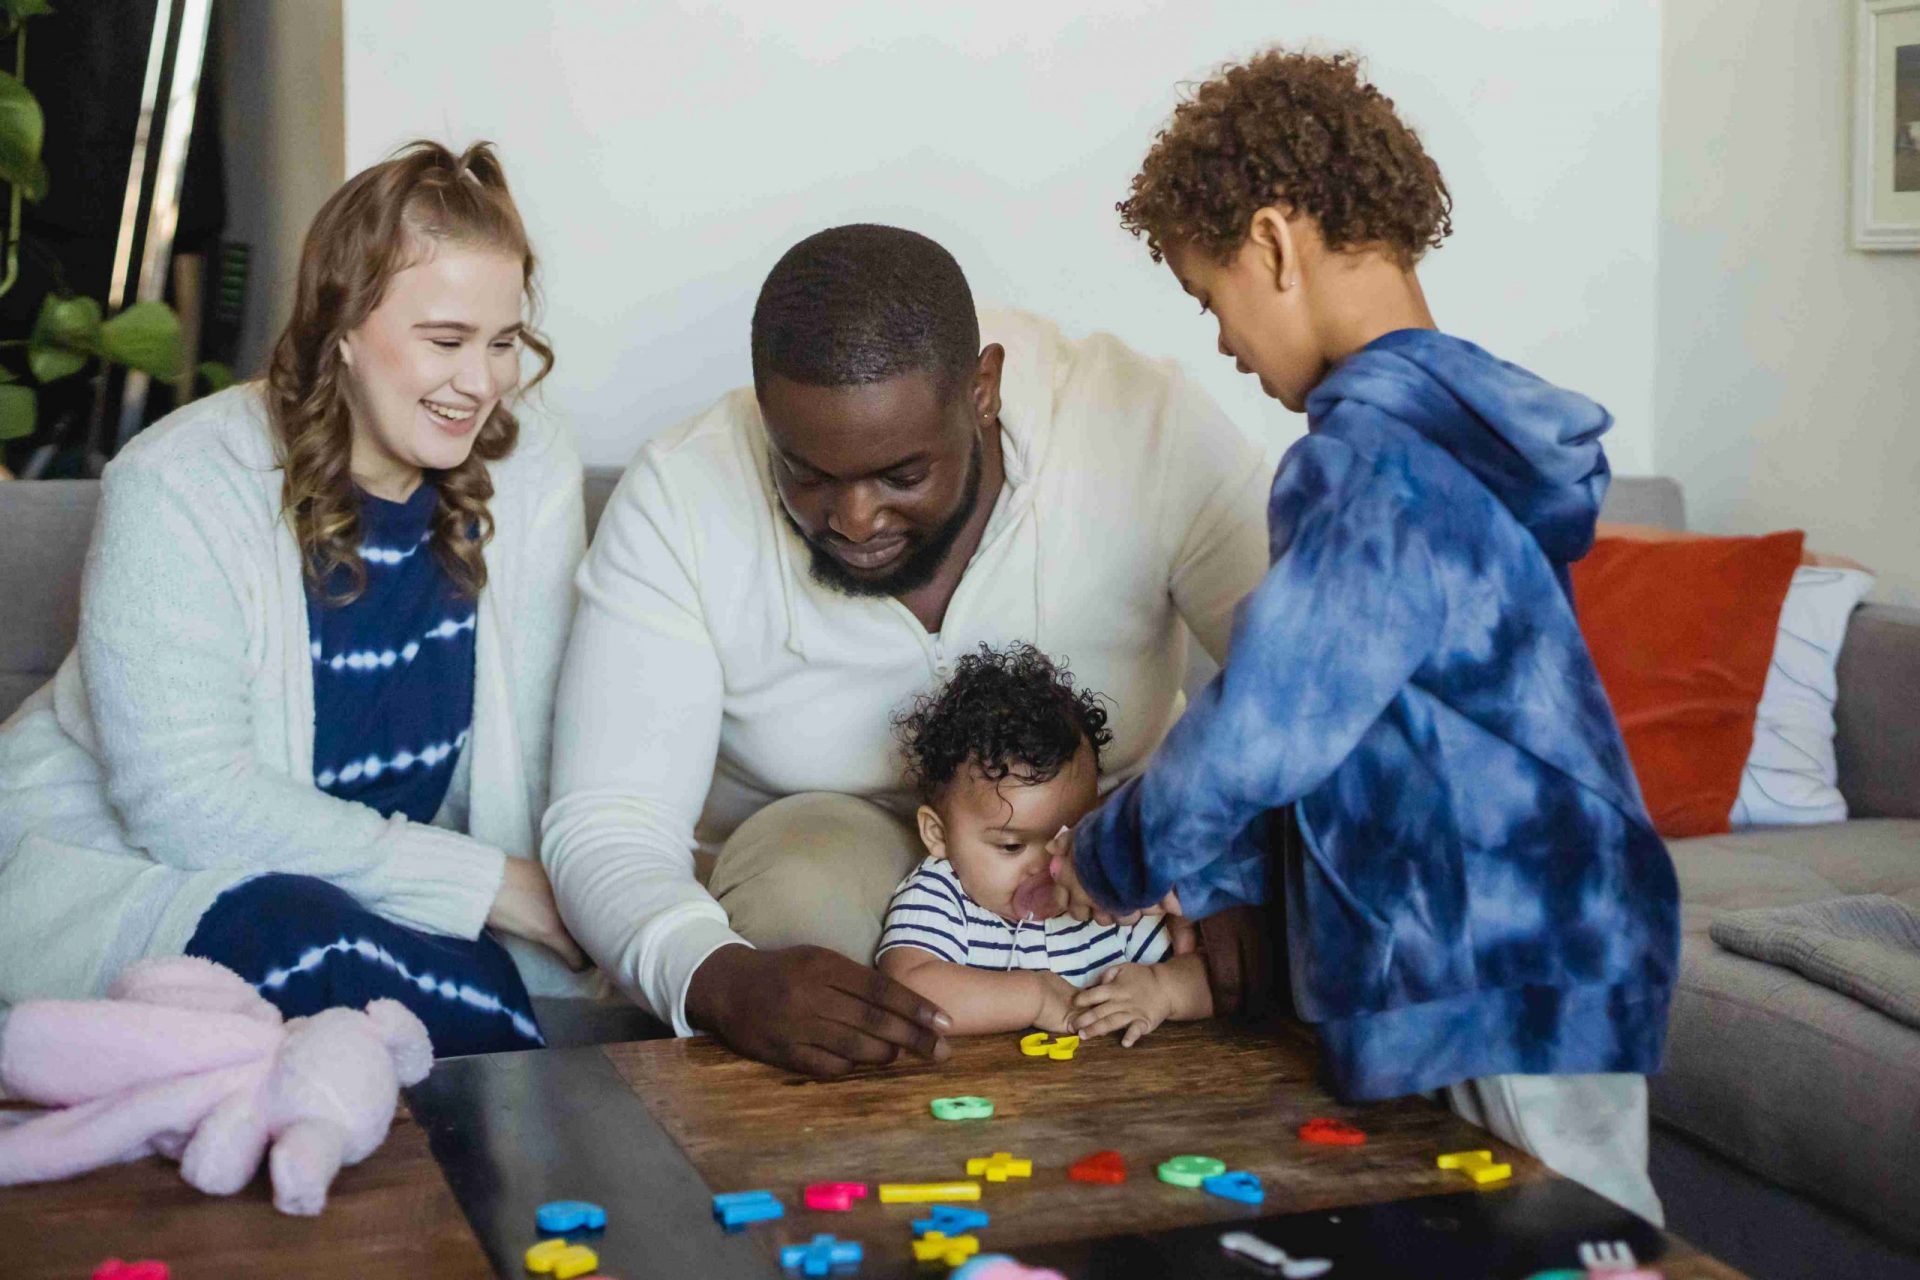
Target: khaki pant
point(815, 868)
point(1592, 1129)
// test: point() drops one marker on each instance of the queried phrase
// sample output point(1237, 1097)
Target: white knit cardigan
point(171, 757)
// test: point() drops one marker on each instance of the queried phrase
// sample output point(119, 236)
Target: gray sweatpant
point(1592, 1129)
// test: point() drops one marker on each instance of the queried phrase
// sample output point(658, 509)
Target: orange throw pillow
point(1682, 631)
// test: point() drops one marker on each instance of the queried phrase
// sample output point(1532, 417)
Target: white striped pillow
point(1791, 777)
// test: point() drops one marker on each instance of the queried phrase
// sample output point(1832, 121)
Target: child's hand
point(1055, 1013)
point(1128, 995)
point(1071, 896)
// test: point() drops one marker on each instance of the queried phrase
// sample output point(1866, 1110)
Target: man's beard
point(921, 563)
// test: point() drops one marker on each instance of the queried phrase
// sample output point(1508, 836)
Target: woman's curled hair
point(382, 221)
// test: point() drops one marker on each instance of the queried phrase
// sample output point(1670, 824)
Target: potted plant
point(70, 333)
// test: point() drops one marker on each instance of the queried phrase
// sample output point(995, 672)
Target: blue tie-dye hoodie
point(1480, 889)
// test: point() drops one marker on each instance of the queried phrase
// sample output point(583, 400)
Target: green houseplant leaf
point(17, 407)
point(146, 336)
point(216, 375)
point(66, 332)
point(18, 9)
point(22, 128)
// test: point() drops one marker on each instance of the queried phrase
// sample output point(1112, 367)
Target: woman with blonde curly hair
point(304, 731)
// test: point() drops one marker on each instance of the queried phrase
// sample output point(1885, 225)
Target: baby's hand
point(1128, 995)
point(1056, 1003)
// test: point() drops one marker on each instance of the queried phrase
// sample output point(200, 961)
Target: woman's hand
point(525, 908)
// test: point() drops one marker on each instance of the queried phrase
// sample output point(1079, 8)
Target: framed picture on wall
point(1886, 125)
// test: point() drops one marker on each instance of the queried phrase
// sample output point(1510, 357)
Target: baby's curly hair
point(1298, 129)
point(1009, 712)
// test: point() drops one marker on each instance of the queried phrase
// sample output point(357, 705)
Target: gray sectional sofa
point(1788, 1117)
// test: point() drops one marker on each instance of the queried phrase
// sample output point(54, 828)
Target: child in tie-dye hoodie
point(1409, 746)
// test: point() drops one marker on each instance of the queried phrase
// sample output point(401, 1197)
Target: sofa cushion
point(599, 483)
point(567, 1023)
point(1877, 720)
point(1681, 632)
point(46, 530)
point(1795, 1081)
point(1648, 500)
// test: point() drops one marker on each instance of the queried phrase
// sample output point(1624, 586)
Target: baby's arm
point(981, 1000)
point(1139, 997)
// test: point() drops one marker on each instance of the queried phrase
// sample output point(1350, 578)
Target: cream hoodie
point(708, 674)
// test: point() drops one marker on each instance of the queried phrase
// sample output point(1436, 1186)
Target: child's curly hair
point(1297, 129)
point(1007, 711)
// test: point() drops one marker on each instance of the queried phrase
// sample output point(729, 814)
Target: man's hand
point(1130, 996)
point(811, 1010)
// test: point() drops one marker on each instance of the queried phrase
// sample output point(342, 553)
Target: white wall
point(1789, 368)
point(282, 130)
point(667, 153)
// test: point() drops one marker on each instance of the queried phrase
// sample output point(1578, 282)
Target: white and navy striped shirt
point(932, 912)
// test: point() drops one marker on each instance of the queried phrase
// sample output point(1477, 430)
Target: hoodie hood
point(1535, 446)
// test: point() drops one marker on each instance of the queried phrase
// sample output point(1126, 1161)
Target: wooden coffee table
point(652, 1130)
point(391, 1218)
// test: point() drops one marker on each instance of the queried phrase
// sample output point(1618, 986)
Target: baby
point(1005, 756)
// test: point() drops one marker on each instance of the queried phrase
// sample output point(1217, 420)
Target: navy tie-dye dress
point(1478, 889)
point(393, 676)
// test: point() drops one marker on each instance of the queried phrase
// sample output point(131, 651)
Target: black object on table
point(1500, 1234)
point(512, 1131)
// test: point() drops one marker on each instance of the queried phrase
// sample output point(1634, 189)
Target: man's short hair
point(863, 303)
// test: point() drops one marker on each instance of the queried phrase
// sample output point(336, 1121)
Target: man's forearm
point(634, 906)
point(633, 758)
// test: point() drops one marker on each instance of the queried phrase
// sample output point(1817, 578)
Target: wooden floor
point(1200, 1089)
point(390, 1218)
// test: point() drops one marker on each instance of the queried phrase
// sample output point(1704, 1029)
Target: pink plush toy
point(1000, 1266)
point(185, 1060)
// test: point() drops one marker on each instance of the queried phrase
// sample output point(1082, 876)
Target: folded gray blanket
point(1867, 947)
